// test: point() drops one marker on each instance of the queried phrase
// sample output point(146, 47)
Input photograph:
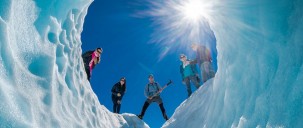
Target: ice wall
point(260, 72)
point(42, 81)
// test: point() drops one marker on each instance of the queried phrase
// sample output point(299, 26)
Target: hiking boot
point(165, 117)
point(140, 117)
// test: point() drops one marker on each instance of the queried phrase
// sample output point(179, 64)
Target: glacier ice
point(258, 82)
point(259, 78)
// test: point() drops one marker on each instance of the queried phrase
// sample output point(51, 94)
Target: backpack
point(87, 57)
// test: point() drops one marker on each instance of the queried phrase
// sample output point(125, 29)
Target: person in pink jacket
point(91, 59)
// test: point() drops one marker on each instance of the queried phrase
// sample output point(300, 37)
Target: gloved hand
point(118, 94)
point(119, 102)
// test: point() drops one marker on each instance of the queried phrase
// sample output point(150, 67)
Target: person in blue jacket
point(189, 73)
point(152, 92)
point(118, 91)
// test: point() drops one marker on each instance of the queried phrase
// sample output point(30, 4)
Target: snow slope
point(260, 72)
point(42, 81)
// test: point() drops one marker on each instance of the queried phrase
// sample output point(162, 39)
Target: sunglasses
point(122, 80)
point(182, 56)
point(99, 51)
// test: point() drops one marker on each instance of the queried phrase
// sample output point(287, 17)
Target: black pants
point(87, 72)
point(117, 106)
point(145, 106)
point(192, 79)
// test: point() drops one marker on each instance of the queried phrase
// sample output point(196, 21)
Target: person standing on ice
point(91, 59)
point(189, 73)
point(204, 60)
point(151, 91)
point(118, 91)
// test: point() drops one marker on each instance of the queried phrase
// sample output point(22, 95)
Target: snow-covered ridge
point(42, 81)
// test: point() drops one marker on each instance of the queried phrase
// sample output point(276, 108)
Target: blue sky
point(128, 52)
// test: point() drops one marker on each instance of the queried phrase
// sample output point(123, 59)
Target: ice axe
point(166, 85)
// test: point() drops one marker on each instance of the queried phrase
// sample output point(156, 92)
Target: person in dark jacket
point(189, 73)
point(204, 61)
point(152, 94)
point(118, 91)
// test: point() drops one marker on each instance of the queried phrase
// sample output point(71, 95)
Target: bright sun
point(181, 22)
point(192, 10)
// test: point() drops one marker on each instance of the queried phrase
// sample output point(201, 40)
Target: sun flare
point(192, 10)
point(181, 22)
